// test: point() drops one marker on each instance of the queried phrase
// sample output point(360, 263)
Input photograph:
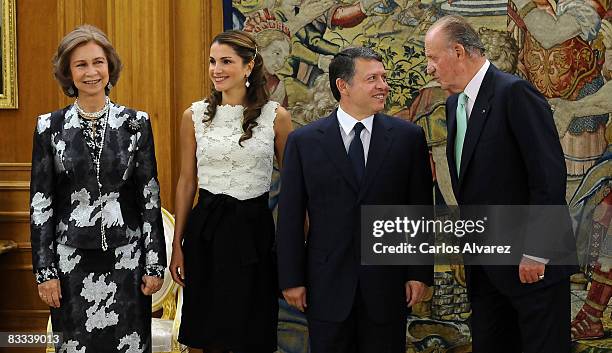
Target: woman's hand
point(50, 292)
point(177, 265)
point(151, 284)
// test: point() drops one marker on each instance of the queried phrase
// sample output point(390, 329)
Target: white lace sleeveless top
point(224, 167)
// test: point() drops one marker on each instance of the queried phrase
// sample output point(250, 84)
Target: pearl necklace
point(93, 115)
point(102, 228)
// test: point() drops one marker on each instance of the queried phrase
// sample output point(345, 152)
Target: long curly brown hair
point(257, 95)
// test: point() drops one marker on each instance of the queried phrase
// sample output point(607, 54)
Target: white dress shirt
point(347, 123)
point(473, 87)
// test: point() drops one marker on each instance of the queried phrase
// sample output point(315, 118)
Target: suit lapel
point(112, 160)
point(76, 153)
point(334, 147)
point(477, 120)
point(380, 142)
point(451, 122)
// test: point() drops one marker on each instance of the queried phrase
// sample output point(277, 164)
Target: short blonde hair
point(81, 36)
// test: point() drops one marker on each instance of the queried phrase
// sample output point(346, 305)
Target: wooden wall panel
point(15, 171)
point(164, 48)
point(36, 41)
point(15, 225)
point(196, 24)
point(20, 308)
point(189, 66)
point(14, 196)
point(142, 37)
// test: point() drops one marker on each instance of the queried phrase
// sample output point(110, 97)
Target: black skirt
point(229, 299)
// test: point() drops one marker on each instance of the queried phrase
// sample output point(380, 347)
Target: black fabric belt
point(226, 224)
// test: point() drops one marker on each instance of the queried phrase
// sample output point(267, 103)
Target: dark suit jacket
point(511, 156)
point(68, 207)
point(317, 177)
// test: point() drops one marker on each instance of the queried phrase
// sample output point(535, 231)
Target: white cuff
point(538, 259)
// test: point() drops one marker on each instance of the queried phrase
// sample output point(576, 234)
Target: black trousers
point(536, 322)
point(358, 333)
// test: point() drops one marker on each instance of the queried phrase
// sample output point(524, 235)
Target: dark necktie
point(355, 153)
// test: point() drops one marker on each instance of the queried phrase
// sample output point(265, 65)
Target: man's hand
point(50, 292)
point(531, 270)
point(296, 297)
point(415, 291)
point(151, 284)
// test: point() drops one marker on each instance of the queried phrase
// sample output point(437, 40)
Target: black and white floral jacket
point(80, 204)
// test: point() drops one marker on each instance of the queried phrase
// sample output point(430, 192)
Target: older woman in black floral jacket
point(97, 235)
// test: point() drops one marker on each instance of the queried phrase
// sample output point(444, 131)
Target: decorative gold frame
point(8, 56)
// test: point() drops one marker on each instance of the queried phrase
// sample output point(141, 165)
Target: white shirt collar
point(347, 122)
point(472, 88)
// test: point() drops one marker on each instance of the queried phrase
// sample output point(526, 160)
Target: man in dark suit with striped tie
point(355, 156)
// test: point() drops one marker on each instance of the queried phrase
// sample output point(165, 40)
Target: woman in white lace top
point(222, 250)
